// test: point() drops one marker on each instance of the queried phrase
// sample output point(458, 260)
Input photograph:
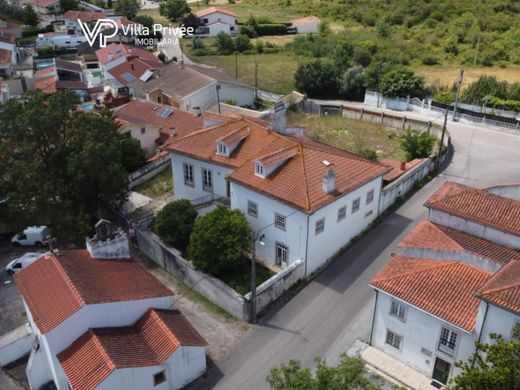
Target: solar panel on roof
point(128, 77)
point(165, 112)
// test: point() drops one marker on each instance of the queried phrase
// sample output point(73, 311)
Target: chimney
point(403, 165)
point(279, 118)
point(108, 243)
point(329, 181)
point(132, 65)
point(196, 111)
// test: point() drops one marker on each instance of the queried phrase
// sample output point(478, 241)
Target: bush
point(417, 145)
point(259, 46)
point(174, 223)
point(352, 83)
point(316, 79)
point(368, 153)
point(401, 82)
point(430, 60)
point(482, 87)
point(225, 44)
point(174, 9)
point(197, 43)
point(219, 241)
point(243, 43)
point(271, 29)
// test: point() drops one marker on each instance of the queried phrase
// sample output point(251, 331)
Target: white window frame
point(445, 346)
point(283, 259)
point(280, 221)
point(393, 338)
point(259, 169)
point(342, 213)
point(207, 180)
point(250, 206)
point(370, 197)
point(319, 227)
point(189, 178)
point(221, 149)
point(398, 310)
point(356, 205)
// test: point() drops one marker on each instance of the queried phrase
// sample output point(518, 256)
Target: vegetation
point(128, 8)
point(67, 5)
point(29, 16)
point(58, 164)
point(493, 366)
point(350, 373)
point(158, 185)
point(174, 223)
point(174, 9)
point(417, 145)
point(401, 82)
point(317, 79)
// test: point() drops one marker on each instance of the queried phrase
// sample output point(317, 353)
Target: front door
point(441, 371)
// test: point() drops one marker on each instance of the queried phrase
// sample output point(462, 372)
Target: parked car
point(33, 235)
point(22, 262)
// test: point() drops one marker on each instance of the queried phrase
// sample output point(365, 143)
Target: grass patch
point(158, 185)
point(157, 17)
point(240, 278)
point(349, 134)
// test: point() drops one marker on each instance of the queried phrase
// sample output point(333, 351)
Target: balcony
point(207, 203)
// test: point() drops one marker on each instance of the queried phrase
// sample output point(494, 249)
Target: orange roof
point(117, 50)
point(44, 3)
point(5, 56)
point(444, 288)
point(84, 16)
point(133, 68)
point(478, 206)
point(308, 19)
point(210, 10)
point(298, 182)
point(56, 286)
point(427, 235)
point(235, 136)
point(149, 342)
point(396, 167)
point(503, 288)
point(45, 71)
point(47, 85)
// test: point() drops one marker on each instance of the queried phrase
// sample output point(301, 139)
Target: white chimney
point(108, 244)
point(329, 181)
point(279, 118)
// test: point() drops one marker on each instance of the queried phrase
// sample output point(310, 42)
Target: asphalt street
point(335, 308)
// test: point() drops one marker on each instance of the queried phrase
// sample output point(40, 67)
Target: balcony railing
point(209, 200)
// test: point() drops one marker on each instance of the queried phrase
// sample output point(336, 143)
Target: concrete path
point(335, 308)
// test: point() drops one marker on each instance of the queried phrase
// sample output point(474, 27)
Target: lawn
point(158, 185)
point(349, 134)
point(240, 279)
point(157, 17)
point(449, 74)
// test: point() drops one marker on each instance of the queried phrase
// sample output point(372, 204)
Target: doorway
point(441, 371)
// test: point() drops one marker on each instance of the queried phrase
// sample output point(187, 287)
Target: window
point(393, 339)
point(143, 130)
point(282, 253)
point(370, 196)
point(259, 169)
point(159, 378)
point(207, 180)
point(252, 209)
point(342, 213)
point(320, 226)
point(355, 205)
point(279, 221)
point(448, 341)
point(516, 328)
point(397, 310)
point(188, 174)
point(221, 149)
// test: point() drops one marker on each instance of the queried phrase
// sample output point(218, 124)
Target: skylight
point(165, 112)
point(128, 77)
point(326, 162)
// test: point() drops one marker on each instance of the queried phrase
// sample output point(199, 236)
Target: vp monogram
point(97, 31)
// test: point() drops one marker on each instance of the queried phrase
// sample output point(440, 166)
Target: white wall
point(498, 321)
point(12, 48)
point(146, 140)
point(243, 96)
point(475, 229)
point(311, 27)
point(419, 331)
point(182, 191)
point(338, 234)
point(216, 28)
point(218, 16)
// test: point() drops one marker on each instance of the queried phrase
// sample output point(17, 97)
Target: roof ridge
point(448, 196)
point(206, 129)
point(277, 151)
point(166, 330)
point(493, 277)
point(102, 349)
point(232, 132)
point(69, 281)
point(442, 263)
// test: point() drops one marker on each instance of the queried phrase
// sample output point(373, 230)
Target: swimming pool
point(44, 64)
point(87, 106)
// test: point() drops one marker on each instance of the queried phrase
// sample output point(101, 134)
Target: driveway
point(335, 308)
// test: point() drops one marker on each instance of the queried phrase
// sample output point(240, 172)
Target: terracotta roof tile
point(149, 342)
point(503, 289)
point(235, 136)
point(210, 10)
point(47, 85)
point(84, 16)
point(478, 206)
point(117, 50)
point(444, 288)
point(427, 235)
point(54, 287)
point(134, 67)
point(396, 167)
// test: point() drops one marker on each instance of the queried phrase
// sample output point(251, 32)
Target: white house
point(9, 55)
point(449, 288)
point(216, 20)
point(71, 17)
point(306, 200)
point(98, 310)
point(58, 40)
point(309, 24)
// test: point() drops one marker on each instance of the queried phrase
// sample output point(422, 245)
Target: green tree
point(383, 29)
point(350, 373)
point(145, 20)
point(368, 153)
point(343, 54)
point(134, 157)
point(493, 366)
point(417, 145)
point(58, 164)
point(174, 9)
point(174, 223)
point(352, 83)
point(67, 5)
point(128, 8)
point(317, 79)
point(29, 16)
point(225, 44)
point(401, 82)
point(513, 92)
point(243, 43)
point(219, 241)
point(482, 87)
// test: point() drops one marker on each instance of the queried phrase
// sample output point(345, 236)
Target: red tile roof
point(55, 287)
point(150, 342)
point(135, 67)
point(302, 21)
point(478, 206)
point(47, 85)
point(84, 16)
point(503, 288)
point(5, 56)
point(117, 50)
point(7, 37)
point(444, 288)
point(427, 235)
point(396, 167)
point(298, 182)
point(210, 10)
point(44, 3)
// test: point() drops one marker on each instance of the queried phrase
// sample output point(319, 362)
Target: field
point(349, 134)
point(449, 74)
point(158, 185)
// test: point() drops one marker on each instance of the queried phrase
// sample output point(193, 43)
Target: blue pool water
point(46, 64)
point(87, 106)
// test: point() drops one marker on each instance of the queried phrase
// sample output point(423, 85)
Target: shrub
point(368, 153)
point(417, 145)
point(430, 60)
point(259, 46)
point(174, 223)
point(401, 82)
point(316, 79)
point(219, 240)
point(271, 29)
point(482, 87)
point(242, 43)
point(225, 44)
point(197, 43)
point(352, 83)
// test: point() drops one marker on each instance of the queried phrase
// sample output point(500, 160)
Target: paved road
point(335, 308)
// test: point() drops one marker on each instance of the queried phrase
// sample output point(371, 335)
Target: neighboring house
point(449, 288)
point(101, 320)
point(216, 20)
point(9, 55)
point(46, 7)
point(87, 55)
point(154, 124)
point(70, 19)
point(134, 68)
point(60, 40)
point(63, 75)
point(305, 25)
point(192, 88)
point(11, 27)
point(117, 53)
point(305, 199)
point(399, 168)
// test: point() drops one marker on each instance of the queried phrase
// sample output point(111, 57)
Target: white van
point(33, 235)
point(22, 262)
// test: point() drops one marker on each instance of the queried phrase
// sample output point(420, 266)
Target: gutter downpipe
point(481, 331)
point(373, 318)
point(307, 246)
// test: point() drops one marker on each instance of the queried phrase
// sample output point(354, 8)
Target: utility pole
point(476, 51)
point(236, 65)
point(253, 280)
point(218, 97)
point(442, 139)
point(459, 86)
point(256, 79)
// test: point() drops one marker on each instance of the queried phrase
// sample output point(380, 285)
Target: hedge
point(31, 32)
point(271, 29)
